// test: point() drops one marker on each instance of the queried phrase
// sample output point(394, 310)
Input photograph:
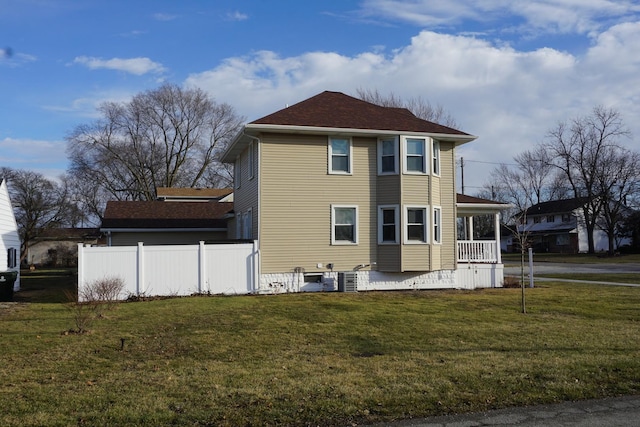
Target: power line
point(488, 163)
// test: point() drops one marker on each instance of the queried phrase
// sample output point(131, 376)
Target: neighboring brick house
point(336, 184)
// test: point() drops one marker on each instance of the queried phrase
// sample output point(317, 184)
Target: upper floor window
point(388, 219)
point(388, 156)
point(437, 225)
point(340, 155)
point(344, 224)
point(435, 152)
point(414, 155)
point(566, 217)
point(536, 220)
point(551, 218)
point(416, 224)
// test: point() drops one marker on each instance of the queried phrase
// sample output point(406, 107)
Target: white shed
point(10, 242)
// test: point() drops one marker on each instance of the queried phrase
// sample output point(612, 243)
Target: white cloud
point(46, 157)
point(164, 16)
point(137, 66)
point(237, 16)
point(559, 16)
point(509, 98)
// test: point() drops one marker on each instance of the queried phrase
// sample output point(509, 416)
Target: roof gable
point(336, 113)
point(157, 214)
point(337, 110)
point(557, 206)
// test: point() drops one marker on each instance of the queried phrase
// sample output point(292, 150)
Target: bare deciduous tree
point(39, 204)
point(419, 106)
point(168, 137)
point(615, 183)
point(581, 149)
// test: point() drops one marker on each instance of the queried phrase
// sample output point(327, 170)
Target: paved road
point(542, 268)
point(620, 412)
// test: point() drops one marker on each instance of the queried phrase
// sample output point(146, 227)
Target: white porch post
point(497, 233)
point(470, 229)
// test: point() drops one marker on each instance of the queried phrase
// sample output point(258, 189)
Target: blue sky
point(507, 70)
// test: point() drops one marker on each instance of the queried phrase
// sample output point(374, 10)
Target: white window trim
point(396, 155)
point(406, 225)
point(437, 222)
point(396, 210)
point(250, 158)
point(330, 158)
point(435, 157)
point(333, 225)
point(425, 154)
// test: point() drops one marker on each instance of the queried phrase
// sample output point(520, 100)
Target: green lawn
point(573, 258)
point(321, 359)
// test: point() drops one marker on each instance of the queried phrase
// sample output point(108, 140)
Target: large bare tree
point(39, 204)
point(167, 137)
point(617, 181)
point(530, 180)
point(419, 106)
point(581, 148)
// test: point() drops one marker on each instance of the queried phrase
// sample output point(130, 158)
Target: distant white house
point(10, 242)
point(558, 226)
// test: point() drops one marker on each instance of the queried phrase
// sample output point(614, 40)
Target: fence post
point(140, 279)
point(202, 271)
point(80, 268)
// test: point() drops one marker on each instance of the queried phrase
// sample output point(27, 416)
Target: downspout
point(258, 273)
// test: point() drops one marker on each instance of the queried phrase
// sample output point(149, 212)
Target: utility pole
point(462, 172)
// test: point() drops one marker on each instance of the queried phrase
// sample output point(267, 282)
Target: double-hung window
point(437, 225)
point(339, 155)
point(388, 156)
point(344, 225)
point(388, 220)
point(435, 153)
point(415, 155)
point(415, 224)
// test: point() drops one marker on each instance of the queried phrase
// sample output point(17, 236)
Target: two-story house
point(335, 184)
point(558, 226)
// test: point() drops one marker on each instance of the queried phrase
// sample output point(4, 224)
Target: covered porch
point(479, 261)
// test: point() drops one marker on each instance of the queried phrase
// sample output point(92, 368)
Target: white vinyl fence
point(229, 268)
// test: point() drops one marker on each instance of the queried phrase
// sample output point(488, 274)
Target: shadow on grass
point(47, 285)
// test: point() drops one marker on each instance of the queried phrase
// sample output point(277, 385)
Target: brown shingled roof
point(337, 110)
point(207, 193)
point(157, 214)
point(463, 198)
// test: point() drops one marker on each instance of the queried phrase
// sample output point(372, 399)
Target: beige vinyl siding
point(165, 238)
point(388, 189)
point(415, 192)
point(297, 194)
point(388, 193)
point(448, 204)
point(388, 258)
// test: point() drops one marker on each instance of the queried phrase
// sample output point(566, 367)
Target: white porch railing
point(479, 251)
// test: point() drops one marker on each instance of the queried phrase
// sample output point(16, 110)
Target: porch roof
point(469, 205)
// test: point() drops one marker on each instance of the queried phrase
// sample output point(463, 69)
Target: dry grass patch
point(321, 359)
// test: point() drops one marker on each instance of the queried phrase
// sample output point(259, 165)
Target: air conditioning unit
point(348, 281)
